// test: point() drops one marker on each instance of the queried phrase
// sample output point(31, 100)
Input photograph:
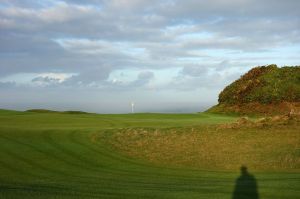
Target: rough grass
point(256, 109)
point(261, 148)
point(262, 90)
point(265, 149)
point(264, 84)
point(53, 155)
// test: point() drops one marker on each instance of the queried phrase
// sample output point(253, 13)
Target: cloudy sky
point(166, 56)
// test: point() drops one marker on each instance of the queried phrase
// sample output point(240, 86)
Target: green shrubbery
point(264, 84)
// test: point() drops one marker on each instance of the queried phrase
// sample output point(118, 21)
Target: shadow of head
point(244, 170)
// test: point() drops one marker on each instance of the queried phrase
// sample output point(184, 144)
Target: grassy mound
point(51, 111)
point(269, 148)
point(264, 89)
point(41, 111)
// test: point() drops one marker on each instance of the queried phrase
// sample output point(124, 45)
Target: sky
point(165, 56)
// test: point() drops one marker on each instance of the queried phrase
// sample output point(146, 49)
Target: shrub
point(264, 84)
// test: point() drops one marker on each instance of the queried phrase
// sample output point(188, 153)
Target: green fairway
point(61, 155)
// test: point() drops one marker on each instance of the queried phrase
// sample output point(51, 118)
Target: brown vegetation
point(245, 122)
point(253, 143)
point(268, 90)
point(256, 108)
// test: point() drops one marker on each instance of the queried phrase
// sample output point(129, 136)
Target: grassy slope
point(265, 84)
point(53, 155)
point(269, 148)
point(262, 90)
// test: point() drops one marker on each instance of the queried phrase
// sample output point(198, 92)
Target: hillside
point(262, 90)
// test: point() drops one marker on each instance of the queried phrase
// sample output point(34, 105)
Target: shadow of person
point(245, 186)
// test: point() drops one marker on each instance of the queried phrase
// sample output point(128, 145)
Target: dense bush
point(264, 84)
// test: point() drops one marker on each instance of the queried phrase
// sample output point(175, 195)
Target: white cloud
point(169, 46)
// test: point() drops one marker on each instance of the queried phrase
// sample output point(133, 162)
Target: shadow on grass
point(245, 186)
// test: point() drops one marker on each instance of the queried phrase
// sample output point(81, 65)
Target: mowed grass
point(58, 155)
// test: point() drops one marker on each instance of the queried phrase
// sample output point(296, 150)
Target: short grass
point(60, 155)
